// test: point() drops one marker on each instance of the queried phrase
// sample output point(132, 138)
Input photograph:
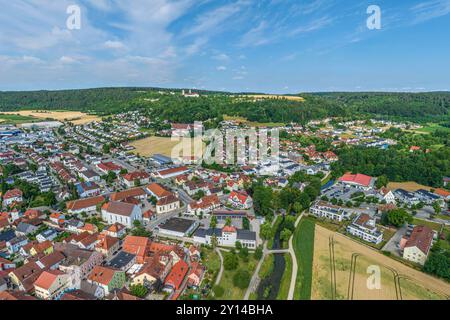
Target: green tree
point(230, 261)
point(139, 290)
point(213, 222)
point(399, 217)
point(285, 235)
point(241, 279)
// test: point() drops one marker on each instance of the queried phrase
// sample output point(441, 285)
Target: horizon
point(281, 47)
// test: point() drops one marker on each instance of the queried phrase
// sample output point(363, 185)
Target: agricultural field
point(70, 116)
point(303, 243)
point(245, 121)
point(408, 186)
point(15, 119)
point(162, 145)
point(273, 97)
point(340, 273)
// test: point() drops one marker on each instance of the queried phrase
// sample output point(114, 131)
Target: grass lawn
point(211, 260)
point(16, 119)
point(230, 291)
point(443, 217)
point(286, 280)
point(433, 225)
point(266, 267)
point(303, 243)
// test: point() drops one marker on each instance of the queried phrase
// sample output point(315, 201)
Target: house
point(24, 228)
point(74, 225)
point(88, 205)
point(135, 179)
point(12, 196)
point(167, 204)
point(157, 191)
point(428, 197)
point(107, 279)
point(121, 212)
point(417, 247)
point(57, 217)
point(364, 227)
point(87, 189)
point(89, 176)
point(172, 173)
point(107, 167)
point(195, 275)
point(107, 245)
point(154, 270)
point(115, 230)
point(79, 262)
point(51, 261)
point(240, 200)
point(45, 248)
point(387, 195)
point(16, 243)
point(414, 149)
point(322, 209)
point(360, 181)
point(227, 237)
point(51, 284)
point(23, 278)
point(445, 194)
point(177, 227)
point(6, 264)
point(205, 205)
point(136, 193)
point(406, 197)
point(47, 235)
point(176, 276)
point(122, 261)
point(194, 253)
point(138, 246)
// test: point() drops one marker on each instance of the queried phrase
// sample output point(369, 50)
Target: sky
point(272, 46)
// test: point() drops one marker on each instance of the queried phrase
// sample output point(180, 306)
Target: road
point(219, 276)
point(294, 261)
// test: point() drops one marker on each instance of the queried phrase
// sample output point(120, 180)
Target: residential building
point(121, 212)
point(51, 284)
point(322, 209)
point(417, 247)
point(364, 227)
point(107, 279)
point(227, 237)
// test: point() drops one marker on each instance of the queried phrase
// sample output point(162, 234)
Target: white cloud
point(221, 68)
point(430, 10)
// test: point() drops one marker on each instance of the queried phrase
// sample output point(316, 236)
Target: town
point(102, 210)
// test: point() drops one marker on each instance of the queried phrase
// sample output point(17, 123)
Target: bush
point(230, 261)
point(241, 279)
point(218, 291)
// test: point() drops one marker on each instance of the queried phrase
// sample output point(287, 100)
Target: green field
point(433, 225)
point(433, 127)
point(230, 291)
point(303, 243)
point(286, 280)
point(15, 119)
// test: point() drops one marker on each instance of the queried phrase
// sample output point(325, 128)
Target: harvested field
point(70, 116)
point(161, 145)
point(408, 186)
point(349, 277)
point(274, 97)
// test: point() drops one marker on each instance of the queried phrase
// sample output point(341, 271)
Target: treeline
point(396, 165)
point(410, 106)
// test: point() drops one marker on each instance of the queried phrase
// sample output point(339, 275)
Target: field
point(251, 123)
point(408, 186)
point(71, 116)
point(160, 145)
point(230, 291)
point(432, 127)
point(303, 243)
point(340, 272)
point(274, 97)
point(15, 119)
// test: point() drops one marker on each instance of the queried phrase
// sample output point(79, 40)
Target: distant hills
point(419, 107)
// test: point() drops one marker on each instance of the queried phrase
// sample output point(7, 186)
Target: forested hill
point(404, 106)
point(411, 106)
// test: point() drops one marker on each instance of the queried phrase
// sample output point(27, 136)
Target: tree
point(266, 231)
point(438, 263)
point(238, 245)
point(382, 181)
point(218, 291)
point(437, 207)
point(213, 222)
point(230, 261)
point(241, 279)
point(139, 290)
point(399, 217)
point(243, 253)
point(258, 253)
point(285, 235)
point(228, 222)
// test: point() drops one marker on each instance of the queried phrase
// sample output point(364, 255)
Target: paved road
point(294, 262)
point(219, 276)
point(393, 243)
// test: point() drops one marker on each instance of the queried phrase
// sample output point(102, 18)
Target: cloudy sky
point(279, 46)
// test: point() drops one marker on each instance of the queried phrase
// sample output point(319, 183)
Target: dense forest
point(397, 165)
point(418, 107)
point(397, 106)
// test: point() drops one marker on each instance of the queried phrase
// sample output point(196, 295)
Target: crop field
point(274, 97)
point(340, 272)
point(70, 116)
point(162, 145)
point(408, 186)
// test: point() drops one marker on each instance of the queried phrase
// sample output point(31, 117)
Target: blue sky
point(278, 46)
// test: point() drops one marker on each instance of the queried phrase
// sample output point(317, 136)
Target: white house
point(364, 227)
point(167, 204)
point(240, 200)
point(417, 247)
point(227, 237)
point(322, 209)
point(121, 212)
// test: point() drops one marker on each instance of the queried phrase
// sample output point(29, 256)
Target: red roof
point(136, 175)
point(229, 229)
point(358, 178)
point(239, 195)
point(422, 238)
point(14, 193)
point(109, 166)
point(177, 275)
point(47, 278)
point(173, 171)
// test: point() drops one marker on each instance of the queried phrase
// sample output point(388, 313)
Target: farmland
point(408, 186)
point(75, 117)
point(160, 145)
point(340, 272)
